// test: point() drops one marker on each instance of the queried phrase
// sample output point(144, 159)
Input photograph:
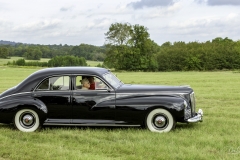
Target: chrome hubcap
point(160, 121)
point(27, 119)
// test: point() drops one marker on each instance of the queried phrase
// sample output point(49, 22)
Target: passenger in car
point(85, 84)
point(91, 81)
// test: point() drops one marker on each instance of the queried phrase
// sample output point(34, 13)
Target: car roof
point(71, 70)
point(34, 78)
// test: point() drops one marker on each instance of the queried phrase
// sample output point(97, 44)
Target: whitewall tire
point(160, 120)
point(26, 120)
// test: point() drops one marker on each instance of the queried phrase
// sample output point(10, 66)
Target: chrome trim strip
point(193, 102)
point(106, 125)
point(160, 93)
point(15, 94)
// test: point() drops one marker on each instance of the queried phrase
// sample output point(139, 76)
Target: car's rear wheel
point(27, 120)
point(160, 120)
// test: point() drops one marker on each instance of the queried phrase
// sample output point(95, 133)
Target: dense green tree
point(216, 55)
point(46, 52)
point(67, 61)
point(129, 47)
point(20, 62)
point(33, 53)
point(4, 52)
point(118, 34)
point(87, 51)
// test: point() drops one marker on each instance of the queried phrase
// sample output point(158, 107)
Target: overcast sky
point(74, 22)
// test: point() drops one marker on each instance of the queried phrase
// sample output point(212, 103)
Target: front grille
point(193, 103)
point(189, 110)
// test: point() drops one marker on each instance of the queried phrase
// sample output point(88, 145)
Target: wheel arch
point(160, 120)
point(9, 108)
point(42, 113)
point(146, 103)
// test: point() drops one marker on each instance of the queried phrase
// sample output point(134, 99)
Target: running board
point(105, 125)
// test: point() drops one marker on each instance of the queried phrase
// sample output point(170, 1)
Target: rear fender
point(9, 108)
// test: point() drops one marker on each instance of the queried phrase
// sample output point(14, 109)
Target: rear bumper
point(197, 118)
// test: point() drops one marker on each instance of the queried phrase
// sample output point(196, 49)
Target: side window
point(44, 85)
point(55, 83)
point(99, 84)
point(78, 82)
point(89, 83)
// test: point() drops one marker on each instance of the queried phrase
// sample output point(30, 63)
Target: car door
point(93, 107)
point(55, 93)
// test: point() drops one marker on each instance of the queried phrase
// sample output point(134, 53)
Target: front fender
point(145, 104)
point(169, 102)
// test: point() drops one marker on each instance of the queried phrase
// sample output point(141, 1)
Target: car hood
point(153, 88)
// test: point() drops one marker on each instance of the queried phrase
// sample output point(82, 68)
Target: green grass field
point(217, 137)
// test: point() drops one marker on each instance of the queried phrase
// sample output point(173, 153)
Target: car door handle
point(112, 106)
point(37, 95)
point(85, 94)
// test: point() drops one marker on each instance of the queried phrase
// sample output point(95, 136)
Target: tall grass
point(217, 93)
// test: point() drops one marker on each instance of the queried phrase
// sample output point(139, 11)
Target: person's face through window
point(86, 84)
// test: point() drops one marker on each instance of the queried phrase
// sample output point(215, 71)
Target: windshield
point(112, 79)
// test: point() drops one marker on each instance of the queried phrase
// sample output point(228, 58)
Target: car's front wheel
point(160, 120)
point(27, 120)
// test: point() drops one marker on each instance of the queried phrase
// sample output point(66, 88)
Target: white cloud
point(64, 9)
point(78, 21)
point(219, 2)
point(38, 26)
point(99, 24)
point(223, 2)
point(163, 12)
point(4, 24)
point(150, 3)
point(205, 28)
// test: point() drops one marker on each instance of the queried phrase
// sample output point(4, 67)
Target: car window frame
point(48, 90)
point(109, 87)
point(120, 82)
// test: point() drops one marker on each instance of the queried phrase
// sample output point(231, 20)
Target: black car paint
point(125, 105)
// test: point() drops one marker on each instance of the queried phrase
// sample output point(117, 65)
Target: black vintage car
point(54, 96)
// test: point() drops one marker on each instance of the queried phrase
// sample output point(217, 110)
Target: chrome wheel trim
point(27, 120)
point(160, 121)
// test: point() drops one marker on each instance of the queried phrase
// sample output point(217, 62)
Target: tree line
point(57, 61)
point(218, 54)
point(129, 47)
point(35, 52)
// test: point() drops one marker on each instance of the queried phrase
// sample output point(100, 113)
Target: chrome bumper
point(197, 118)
